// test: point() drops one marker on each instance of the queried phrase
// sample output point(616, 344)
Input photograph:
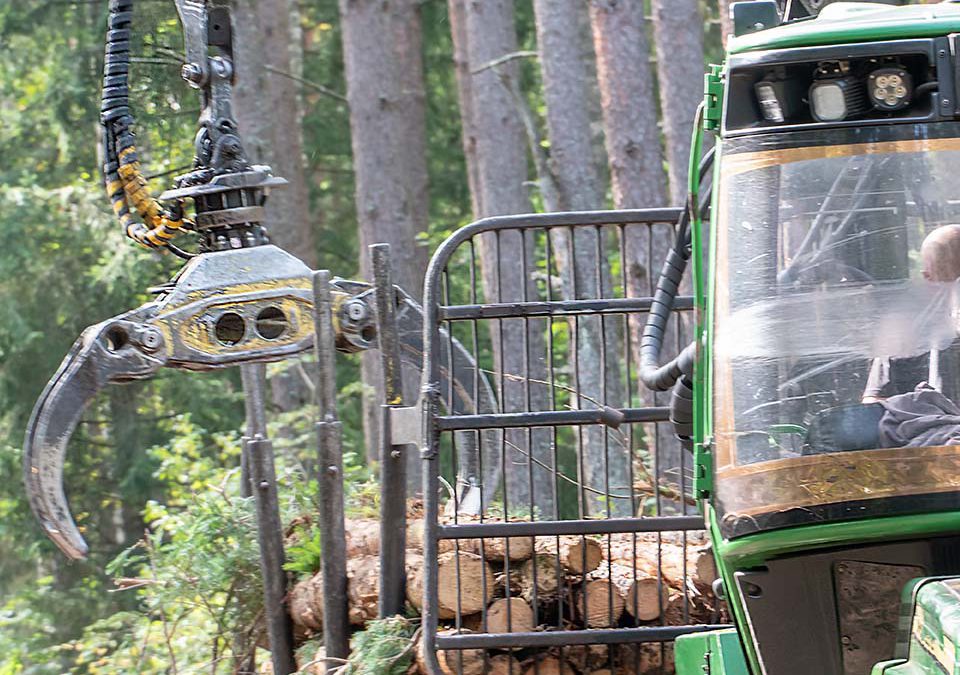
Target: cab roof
point(844, 22)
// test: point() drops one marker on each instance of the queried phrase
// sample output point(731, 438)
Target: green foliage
point(384, 648)
point(303, 558)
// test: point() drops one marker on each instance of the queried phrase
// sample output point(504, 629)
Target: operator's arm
point(878, 381)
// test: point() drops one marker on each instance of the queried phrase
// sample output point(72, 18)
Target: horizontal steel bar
point(565, 638)
point(503, 310)
point(544, 528)
point(553, 418)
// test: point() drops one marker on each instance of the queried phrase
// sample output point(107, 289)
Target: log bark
point(269, 114)
point(551, 665)
point(678, 34)
point(385, 92)
point(363, 538)
point(363, 588)
point(306, 604)
point(493, 549)
point(539, 580)
point(510, 615)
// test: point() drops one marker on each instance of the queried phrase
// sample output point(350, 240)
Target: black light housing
point(778, 98)
point(890, 89)
point(838, 98)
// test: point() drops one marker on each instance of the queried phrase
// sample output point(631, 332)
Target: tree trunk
point(457, 12)
point(636, 168)
point(726, 21)
point(269, 113)
point(678, 29)
point(626, 94)
point(495, 142)
point(567, 91)
point(385, 92)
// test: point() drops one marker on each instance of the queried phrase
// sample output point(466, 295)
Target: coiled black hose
point(125, 184)
point(652, 374)
point(677, 374)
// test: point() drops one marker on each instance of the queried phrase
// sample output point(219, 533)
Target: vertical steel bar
point(393, 460)
point(263, 478)
point(336, 627)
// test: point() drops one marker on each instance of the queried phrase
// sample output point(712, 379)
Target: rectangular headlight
point(837, 99)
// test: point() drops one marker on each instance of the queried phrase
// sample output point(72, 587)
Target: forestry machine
point(238, 300)
point(823, 389)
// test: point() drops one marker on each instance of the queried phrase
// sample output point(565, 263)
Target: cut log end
point(599, 604)
point(465, 584)
point(510, 615)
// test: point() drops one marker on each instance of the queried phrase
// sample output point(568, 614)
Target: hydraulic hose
point(124, 182)
point(652, 374)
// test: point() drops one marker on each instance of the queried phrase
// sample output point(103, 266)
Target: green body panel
point(842, 24)
point(714, 653)
point(849, 23)
point(933, 620)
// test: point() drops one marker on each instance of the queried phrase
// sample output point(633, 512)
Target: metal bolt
point(221, 67)
point(151, 339)
point(356, 310)
point(845, 640)
point(192, 72)
point(945, 103)
point(942, 53)
point(396, 454)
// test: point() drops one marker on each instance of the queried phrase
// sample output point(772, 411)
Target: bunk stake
point(393, 460)
point(336, 627)
point(258, 451)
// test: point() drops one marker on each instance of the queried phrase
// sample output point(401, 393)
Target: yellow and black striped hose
point(124, 182)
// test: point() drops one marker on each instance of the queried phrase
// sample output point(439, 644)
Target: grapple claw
point(118, 350)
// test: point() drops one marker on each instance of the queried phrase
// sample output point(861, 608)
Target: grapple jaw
point(225, 309)
point(118, 350)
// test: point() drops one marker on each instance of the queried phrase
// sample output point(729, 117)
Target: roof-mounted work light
point(836, 93)
point(890, 89)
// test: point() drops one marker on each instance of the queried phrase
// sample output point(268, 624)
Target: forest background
point(394, 120)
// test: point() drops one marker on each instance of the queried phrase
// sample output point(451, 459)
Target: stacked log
point(526, 584)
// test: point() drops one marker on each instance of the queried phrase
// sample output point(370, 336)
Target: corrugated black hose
point(677, 374)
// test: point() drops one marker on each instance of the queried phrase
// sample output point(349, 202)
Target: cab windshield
point(836, 374)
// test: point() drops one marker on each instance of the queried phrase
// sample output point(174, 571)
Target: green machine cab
point(826, 410)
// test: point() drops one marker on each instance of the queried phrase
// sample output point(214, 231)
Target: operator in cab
point(919, 393)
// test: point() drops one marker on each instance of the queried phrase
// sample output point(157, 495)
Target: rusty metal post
point(393, 461)
point(336, 626)
point(258, 451)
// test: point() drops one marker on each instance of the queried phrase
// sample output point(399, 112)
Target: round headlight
point(890, 89)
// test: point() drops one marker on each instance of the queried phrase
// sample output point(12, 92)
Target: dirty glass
point(836, 373)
